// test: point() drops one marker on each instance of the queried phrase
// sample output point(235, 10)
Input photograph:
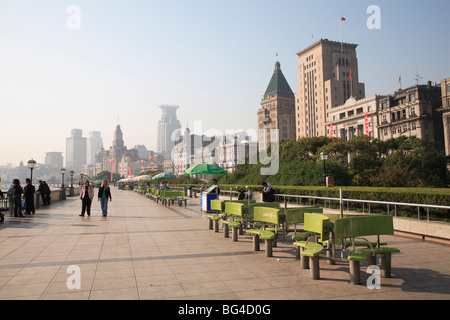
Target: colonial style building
point(354, 118)
point(412, 112)
point(277, 110)
point(327, 76)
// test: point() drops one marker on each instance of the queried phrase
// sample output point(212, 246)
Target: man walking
point(28, 194)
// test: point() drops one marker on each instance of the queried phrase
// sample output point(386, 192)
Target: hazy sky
point(212, 58)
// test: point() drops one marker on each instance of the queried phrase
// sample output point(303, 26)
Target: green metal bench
point(362, 226)
point(268, 216)
point(233, 217)
point(217, 207)
point(295, 216)
point(171, 197)
point(320, 226)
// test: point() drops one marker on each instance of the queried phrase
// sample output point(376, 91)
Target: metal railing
point(388, 204)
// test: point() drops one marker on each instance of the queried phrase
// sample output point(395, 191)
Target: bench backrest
point(296, 215)
point(364, 226)
point(317, 223)
point(252, 206)
point(217, 205)
point(234, 208)
point(267, 215)
point(244, 202)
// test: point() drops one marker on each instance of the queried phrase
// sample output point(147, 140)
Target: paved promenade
point(143, 250)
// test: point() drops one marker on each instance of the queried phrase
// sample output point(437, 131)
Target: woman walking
point(104, 194)
point(86, 196)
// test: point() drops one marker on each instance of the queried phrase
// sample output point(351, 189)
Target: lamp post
point(324, 157)
point(63, 170)
point(31, 165)
point(71, 190)
point(71, 178)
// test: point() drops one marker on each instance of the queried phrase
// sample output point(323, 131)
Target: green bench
point(217, 208)
point(267, 216)
point(233, 217)
point(362, 226)
point(295, 216)
point(170, 197)
point(320, 226)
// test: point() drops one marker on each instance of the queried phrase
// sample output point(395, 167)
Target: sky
point(214, 59)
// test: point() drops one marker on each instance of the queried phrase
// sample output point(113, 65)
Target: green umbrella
point(165, 175)
point(205, 168)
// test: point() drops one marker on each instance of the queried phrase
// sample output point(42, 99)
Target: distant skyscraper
point(328, 77)
point(118, 149)
point(76, 150)
point(94, 143)
point(54, 159)
point(166, 127)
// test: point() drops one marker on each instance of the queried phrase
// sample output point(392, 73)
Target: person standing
point(17, 192)
point(48, 193)
point(104, 194)
point(43, 192)
point(28, 194)
point(86, 196)
point(268, 192)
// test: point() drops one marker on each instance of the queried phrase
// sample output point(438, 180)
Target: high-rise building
point(76, 150)
point(328, 77)
point(54, 159)
point(165, 130)
point(277, 110)
point(94, 143)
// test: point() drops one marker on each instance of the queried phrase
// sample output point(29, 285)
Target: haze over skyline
point(213, 59)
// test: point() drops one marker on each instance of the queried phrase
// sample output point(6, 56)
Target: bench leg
point(355, 275)
point(256, 243)
point(386, 265)
point(314, 267)
point(241, 230)
point(331, 260)
point(235, 234)
point(372, 260)
point(269, 246)
point(304, 261)
point(297, 253)
point(226, 233)
point(216, 226)
point(211, 224)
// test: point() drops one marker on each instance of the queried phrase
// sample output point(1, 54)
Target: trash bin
point(207, 196)
point(189, 192)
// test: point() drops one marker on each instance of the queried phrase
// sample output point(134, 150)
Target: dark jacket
point(28, 191)
point(17, 192)
point(107, 191)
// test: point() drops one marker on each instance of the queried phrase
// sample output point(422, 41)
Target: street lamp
point(63, 170)
point(31, 165)
point(324, 157)
point(71, 178)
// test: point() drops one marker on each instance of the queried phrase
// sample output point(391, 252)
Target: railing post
point(341, 205)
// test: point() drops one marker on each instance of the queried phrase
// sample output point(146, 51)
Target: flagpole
point(341, 36)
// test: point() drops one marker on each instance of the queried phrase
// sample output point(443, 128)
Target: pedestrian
point(28, 194)
point(86, 196)
point(268, 192)
point(47, 193)
point(104, 194)
point(17, 192)
point(43, 192)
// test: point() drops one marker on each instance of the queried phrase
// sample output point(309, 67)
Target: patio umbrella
point(165, 175)
point(145, 178)
point(205, 168)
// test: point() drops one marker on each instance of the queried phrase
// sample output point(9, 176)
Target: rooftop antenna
point(417, 78)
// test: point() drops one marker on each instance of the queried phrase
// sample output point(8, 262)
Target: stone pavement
point(143, 250)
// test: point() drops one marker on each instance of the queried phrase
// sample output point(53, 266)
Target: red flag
point(342, 19)
point(282, 107)
point(351, 75)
